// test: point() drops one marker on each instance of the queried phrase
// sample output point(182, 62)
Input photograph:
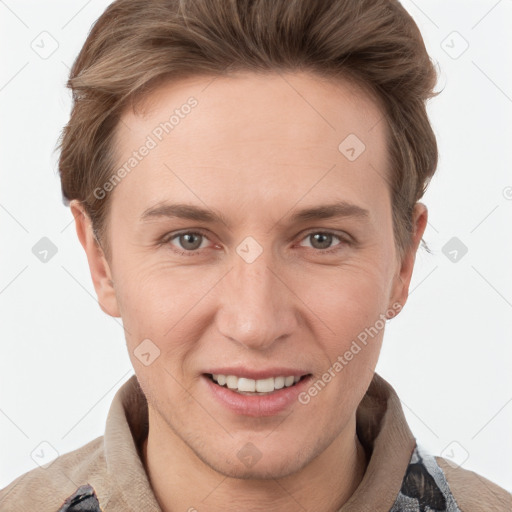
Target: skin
point(256, 148)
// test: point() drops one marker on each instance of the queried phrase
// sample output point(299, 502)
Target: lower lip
point(258, 405)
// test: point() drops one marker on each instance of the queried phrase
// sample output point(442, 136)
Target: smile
point(255, 387)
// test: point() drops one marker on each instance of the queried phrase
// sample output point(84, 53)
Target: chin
point(248, 463)
point(260, 471)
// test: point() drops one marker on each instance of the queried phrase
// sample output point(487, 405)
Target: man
point(244, 178)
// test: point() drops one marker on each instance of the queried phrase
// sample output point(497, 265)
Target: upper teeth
point(252, 385)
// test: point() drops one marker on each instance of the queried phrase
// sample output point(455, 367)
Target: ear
point(98, 265)
point(402, 279)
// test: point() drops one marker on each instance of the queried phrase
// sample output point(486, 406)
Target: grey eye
point(189, 241)
point(321, 240)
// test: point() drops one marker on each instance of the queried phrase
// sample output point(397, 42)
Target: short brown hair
point(138, 44)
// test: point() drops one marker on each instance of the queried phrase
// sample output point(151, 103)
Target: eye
point(322, 241)
point(187, 243)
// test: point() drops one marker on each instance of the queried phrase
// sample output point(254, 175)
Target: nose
point(257, 306)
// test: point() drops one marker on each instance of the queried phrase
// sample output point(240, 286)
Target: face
point(277, 261)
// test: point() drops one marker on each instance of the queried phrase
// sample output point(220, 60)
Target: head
point(306, 144)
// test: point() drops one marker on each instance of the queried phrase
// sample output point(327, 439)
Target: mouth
point(256, 393)
point(255, 387)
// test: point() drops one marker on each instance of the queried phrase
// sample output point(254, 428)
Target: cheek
point(348, 332)
point(161, 305)
point(347, 297)
point(157, 294)
point(345, 311)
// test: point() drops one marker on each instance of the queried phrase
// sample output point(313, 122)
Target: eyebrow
point(200, 214)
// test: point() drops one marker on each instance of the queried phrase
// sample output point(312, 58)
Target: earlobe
point(100, 270)
point(403, 277)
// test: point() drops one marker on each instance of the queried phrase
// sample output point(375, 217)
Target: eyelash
point(168, 238)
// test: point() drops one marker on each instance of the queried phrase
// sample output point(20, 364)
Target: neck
point(181, 481)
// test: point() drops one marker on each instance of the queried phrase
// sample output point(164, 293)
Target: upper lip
point(252, 373)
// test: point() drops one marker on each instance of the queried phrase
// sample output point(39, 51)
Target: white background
point(448, 354)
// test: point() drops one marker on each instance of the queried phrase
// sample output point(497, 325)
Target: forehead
point(254, 134)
